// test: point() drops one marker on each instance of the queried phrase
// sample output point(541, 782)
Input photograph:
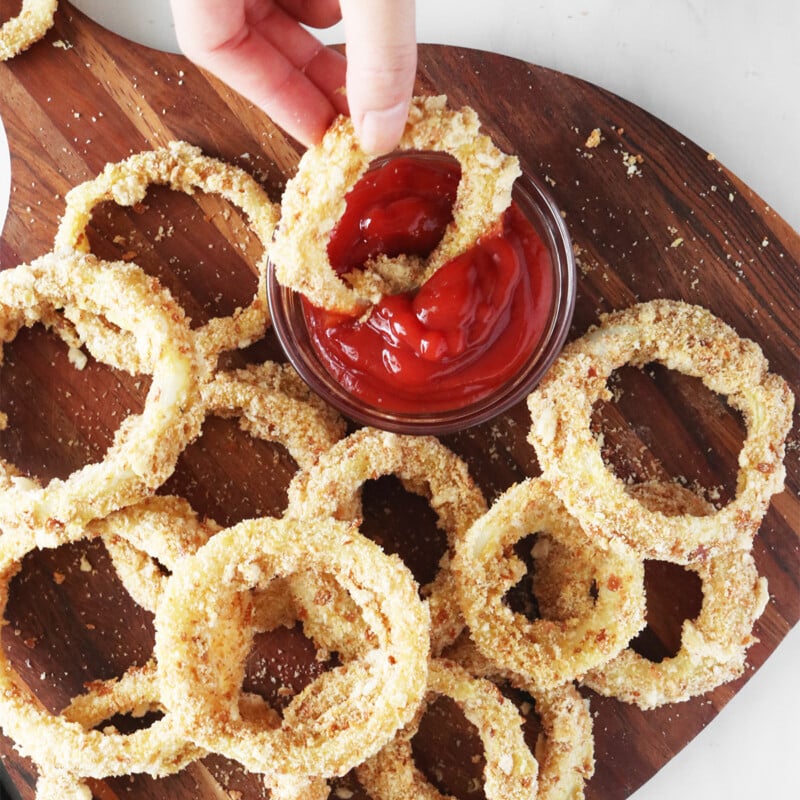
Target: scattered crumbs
point(711, 157)
point(765, 242)
point(343, 792)
point(677, 242)
point(60, 44)
point(85, 564)
point(593, 139)
point(549, 180)
point(632, 163)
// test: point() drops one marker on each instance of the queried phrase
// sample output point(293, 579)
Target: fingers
point(264, 54)
point(259, 48)
point(381, 66)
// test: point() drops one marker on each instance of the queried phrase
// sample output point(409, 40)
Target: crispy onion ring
point(427, 468)
point(511, 769)
point(204, 632)
point(273, 403)
point(713, 645)
point(688, 339)
point(311, 206)
point(60, 744)
point(543, 653)
point(565, 748)
point(183, 168)
point(31, 24)
point(147, 445)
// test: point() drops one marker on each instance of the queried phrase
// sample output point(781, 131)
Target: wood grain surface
point(651, 215)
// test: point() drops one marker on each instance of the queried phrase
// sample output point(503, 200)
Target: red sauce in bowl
point(467, 331)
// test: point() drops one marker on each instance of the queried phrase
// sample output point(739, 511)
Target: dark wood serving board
point(651, 215)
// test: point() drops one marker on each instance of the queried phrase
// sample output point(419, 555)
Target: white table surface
point(725, 74)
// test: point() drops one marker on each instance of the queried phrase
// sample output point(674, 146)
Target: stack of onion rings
point(311, 207)
point(544, 653)
point(426, 467)
point(313, 565)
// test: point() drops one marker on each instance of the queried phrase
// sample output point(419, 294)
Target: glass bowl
point(289, 323)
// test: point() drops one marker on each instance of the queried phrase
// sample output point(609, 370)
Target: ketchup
point(460, 335)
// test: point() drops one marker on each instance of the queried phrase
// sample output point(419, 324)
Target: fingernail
point(381, 129)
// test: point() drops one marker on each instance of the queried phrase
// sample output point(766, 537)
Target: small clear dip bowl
point(289, 324)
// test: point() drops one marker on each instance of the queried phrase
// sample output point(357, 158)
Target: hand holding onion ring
point(315, 199)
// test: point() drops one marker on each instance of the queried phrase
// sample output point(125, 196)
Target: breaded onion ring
point(713, 645)
point(543, 653)
point(147, 445)
point(565, 748)
point(688, 339)
point(511, 769)
point(426, 467)
point(314, 201)
point(182, 167)
point(273, 403)
point(204, 631)
point(61, 743)
point(35, 18)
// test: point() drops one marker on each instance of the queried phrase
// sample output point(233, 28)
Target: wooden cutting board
point(651, 215)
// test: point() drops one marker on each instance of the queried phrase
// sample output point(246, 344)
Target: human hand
point(261, 49)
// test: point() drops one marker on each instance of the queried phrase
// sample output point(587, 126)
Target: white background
point(726, 73)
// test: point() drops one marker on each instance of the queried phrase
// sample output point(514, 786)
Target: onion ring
point(315, 199)
point(511, 769)
point(688, 339)
point(183, 168)
point(35, 18)
point(713, 645)
point(427, 468)
point(275, 404)
point(565, 749)
point(147, 445)
point(543, 653)
point(60, 745)
point(204, 631)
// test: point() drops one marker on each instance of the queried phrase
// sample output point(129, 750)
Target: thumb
point(381, 65)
